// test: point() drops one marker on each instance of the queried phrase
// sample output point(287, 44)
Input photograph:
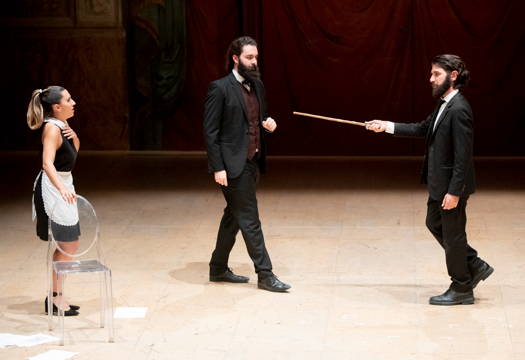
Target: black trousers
point(448, 227)
point(241, 213)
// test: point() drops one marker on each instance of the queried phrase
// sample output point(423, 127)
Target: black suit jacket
point(448, 166)
point(226, 126)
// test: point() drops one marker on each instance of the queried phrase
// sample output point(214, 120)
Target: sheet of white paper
point(24, 340)
point(130, 312)
point(9, 339)
point(37, 339)
point(54, 355)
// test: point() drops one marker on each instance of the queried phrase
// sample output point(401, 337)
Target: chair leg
point(50, 250)
point(50, 309)
point(109, 305)
point(61, 310)
point(102, 282)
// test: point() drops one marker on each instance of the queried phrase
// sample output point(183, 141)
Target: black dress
point(64, 163)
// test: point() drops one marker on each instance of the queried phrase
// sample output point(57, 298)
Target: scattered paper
point(130, 312)
point(54, 355)
point(37, 340)
point(8, 339)
point(25, 340)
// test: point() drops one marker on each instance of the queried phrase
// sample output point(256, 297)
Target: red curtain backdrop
point(360, 60)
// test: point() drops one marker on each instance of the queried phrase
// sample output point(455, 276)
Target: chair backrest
point(74, 229)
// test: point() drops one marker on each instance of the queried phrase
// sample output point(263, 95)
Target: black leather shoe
point(271, 283)
point(480, 270)
point(452, 297)
point(229, 276)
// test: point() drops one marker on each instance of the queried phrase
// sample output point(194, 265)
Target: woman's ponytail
point(35, 112)
point(40, 106)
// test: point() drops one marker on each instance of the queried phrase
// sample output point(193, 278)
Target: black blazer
point(226, 126)
point(448, 166)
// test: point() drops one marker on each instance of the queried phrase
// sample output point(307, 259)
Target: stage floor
point(347, 233)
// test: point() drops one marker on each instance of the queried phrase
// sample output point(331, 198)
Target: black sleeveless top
point(66, 154)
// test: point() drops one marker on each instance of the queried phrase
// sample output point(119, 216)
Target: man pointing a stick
point(448, 171)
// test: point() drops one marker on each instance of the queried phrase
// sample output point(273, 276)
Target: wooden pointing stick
point(330, 119)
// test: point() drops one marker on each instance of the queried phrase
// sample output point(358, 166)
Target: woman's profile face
point(66, 108)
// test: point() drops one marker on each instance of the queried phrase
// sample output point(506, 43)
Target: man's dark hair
point(453, 63)
point(235, 48)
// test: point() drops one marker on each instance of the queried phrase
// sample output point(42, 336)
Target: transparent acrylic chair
point(88, 258)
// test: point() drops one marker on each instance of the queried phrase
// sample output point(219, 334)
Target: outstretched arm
point(380, 126)
point(400, 129)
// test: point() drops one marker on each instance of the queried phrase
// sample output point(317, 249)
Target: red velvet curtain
point(360, 60)
point(211, 26)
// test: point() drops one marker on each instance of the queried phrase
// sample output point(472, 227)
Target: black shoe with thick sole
point(271, 283)
point(229, 276)
point(452, 297)
point(480, 271)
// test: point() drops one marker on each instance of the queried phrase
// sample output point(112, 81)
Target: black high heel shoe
point(69, 312)
point(72, 307)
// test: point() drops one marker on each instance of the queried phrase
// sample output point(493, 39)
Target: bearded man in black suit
point(448, 171)
point(235, 125)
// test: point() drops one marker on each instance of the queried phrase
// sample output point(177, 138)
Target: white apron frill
point(56, 208)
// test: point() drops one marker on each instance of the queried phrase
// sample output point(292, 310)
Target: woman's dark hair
point(235, 48)
point(453, 63)
point(40, 106)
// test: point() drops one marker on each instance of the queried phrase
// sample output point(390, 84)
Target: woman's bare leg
point(69, 247)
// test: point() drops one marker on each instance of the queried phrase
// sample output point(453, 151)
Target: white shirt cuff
point(390, 127)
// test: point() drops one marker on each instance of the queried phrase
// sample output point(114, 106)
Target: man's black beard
point(441, 89)
point(250, 74)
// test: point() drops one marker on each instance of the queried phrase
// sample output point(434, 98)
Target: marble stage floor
point(347, 233)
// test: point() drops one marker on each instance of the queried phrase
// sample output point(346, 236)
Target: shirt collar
point(451, 95)
point(238, 76)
